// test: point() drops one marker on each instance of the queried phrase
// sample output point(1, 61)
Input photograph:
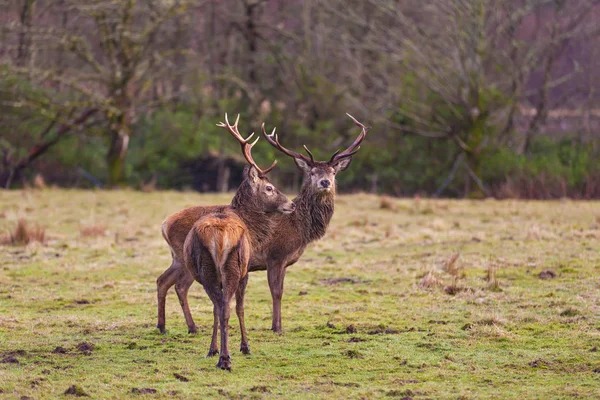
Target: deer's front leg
point(239, 309)
point(276, 275)
point(184, 281)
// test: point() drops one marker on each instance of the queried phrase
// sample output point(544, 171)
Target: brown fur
point(314, 209)
point(217, 252)
point(274, 250)
point(255, 207)
point(175, 229)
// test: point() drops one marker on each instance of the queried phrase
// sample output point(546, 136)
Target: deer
point(292, 233)
point(256, 210)
point(217, 250)
point(314, 210)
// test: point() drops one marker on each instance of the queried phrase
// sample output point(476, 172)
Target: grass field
point(377, 309)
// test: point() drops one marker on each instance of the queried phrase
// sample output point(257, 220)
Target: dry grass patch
point(24, 234)
point(492, 279)
point(493, 326)
point(92, 230)
point(454, 269)
point(451, 266)
point(386, 203)
point(430, 280)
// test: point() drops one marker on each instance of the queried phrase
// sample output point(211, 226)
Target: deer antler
point(246, 147)
point(354, 147)
point(274, 140)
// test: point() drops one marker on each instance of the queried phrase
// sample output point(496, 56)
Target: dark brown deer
point(176, 227)
point(314, 209)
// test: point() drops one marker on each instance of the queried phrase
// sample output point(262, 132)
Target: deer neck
point(313, 212)
point(259, 223)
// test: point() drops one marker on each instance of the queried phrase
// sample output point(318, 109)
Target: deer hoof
point(193, 330)
point(245, 349)
point(224, 363)
point(161, 329)
point(212, 353)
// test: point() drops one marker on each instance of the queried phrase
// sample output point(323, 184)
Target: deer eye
point(269, 188)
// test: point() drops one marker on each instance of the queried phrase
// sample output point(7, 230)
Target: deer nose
point(325, 183)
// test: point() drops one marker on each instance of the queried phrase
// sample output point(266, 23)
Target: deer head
point(321, 173)
point(256, 190)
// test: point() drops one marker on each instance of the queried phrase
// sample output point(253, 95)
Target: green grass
point(527, 338)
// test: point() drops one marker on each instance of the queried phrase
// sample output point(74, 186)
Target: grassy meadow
point(438, 299)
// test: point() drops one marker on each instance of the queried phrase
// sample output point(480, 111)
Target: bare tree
point(114, 44)
point(458, 68)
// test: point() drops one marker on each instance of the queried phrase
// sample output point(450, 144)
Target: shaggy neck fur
point(246, 205)
point(314, 210)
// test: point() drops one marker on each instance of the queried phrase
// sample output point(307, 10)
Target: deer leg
point(230, 281)
point(163, 284)
point(276, 276)
point(184, 281)
point(239, 309)
point(225, 358)
point(214, 349)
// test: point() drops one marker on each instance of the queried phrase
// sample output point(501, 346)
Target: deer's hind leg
point(214, 348)
point(163, 284)
point(233, 272)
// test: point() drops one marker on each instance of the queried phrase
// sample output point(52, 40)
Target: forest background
point(465, 98)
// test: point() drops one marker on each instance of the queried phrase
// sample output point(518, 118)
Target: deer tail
point(222, 246)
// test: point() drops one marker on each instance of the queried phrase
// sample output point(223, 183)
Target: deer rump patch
point(222, 235)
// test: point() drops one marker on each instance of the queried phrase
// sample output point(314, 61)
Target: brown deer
point(217, 252)
point(218, 247)
point(176, 227)
point(314, 209)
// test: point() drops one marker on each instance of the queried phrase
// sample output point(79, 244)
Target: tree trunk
point(474, 169)
point(24, 46)
point(251, 40)
point(116, 156)
point(223, 174)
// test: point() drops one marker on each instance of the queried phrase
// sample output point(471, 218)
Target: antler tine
point(244, 143)
point(355, 146)
point(273, 139)
point(334, 154)
point(247, 150)
point(309, 153)
point(251, 145)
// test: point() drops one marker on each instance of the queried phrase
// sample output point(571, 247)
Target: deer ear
point(303, 165)
point(342, 164)
point(252, 174)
